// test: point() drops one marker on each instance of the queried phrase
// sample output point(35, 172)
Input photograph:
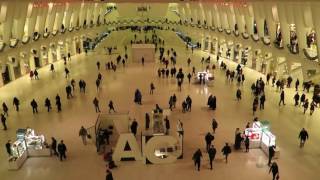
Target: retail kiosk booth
point(28, 144)
point(261, 137)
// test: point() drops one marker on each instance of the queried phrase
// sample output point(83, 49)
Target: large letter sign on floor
point(154, 143)
point(119, 151)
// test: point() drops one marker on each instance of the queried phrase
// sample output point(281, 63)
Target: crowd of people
point(178, 74)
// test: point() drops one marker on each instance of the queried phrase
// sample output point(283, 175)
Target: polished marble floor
point(83, 161)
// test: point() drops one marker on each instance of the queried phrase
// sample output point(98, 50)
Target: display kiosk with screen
point(28, 144)
point(260, 136)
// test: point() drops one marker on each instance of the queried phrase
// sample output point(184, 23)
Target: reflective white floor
point(83, 161)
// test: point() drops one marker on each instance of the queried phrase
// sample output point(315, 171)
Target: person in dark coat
point(303, 136)
point(96, 105)
point(5, 109)
point(109, 175)
point(167, 125)
point(58, 103)
point(282, 98)
point(147, 119)
point(34, 106)
point(8, 147)
point(296, 99)
point(152, 88)
point(134, 127)
point(73, 84)
point(247, 143)
point(238, 139)
point(271, 154)
point(302, 99)
point(68, 91)
point(66, 70)
point(111, 107)
point(36, 74)
point(238, 94)
point(226, 150)
point(208, 138)
point(16, 103)
point(47, 104)
point(62, 149)
point(275, 171)
point(54, 146)
point(197, 159)
point(212, 153)
point(214, 103)
point(3, 121)
point(138, 97)
point(189, 103)
point(214, 125)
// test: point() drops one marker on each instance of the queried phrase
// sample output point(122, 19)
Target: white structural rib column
point(315, 9)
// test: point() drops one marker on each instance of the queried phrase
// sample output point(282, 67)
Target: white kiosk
point(261, 137)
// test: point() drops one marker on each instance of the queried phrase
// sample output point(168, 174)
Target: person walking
point(36, 74)
point(152, 88)
point(208, 138)
point(180, 128)
point(3, 121)
point(297, 84)
point(109, 175)
point(34, 106)
point(238, 94)
point(302, 99)
point(275, 171)
point(303, 136)
point(111, 107)
point(226, 150)
point(96, 105)
point(83, 133)
point(98, 84)
point(312, 107)
point(189, 78)
point(147, 121)
point(73, 84)
point(8, 148)
point(247, 143)
point(282, 98)
point(189, 103)
point(212, 153)
point(98, 65)
point(5, 109)
point(58, 103)
point(296, 98)
point(62, 149)
point(54, 146)
point(16, 103)
point(66, 70)
point(197, 159)
point(167, 125)
point(52, 68)
point(214, 125)
point(47, 104)
point(271, 154)
point(134, 127)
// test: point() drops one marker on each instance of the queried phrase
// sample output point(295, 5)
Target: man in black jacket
point(303, 136)
point(208, 138)
point(271, 154)
point(212, 153)
point(62, 149)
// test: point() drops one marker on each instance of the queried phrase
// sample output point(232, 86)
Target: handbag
point(89, 136)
